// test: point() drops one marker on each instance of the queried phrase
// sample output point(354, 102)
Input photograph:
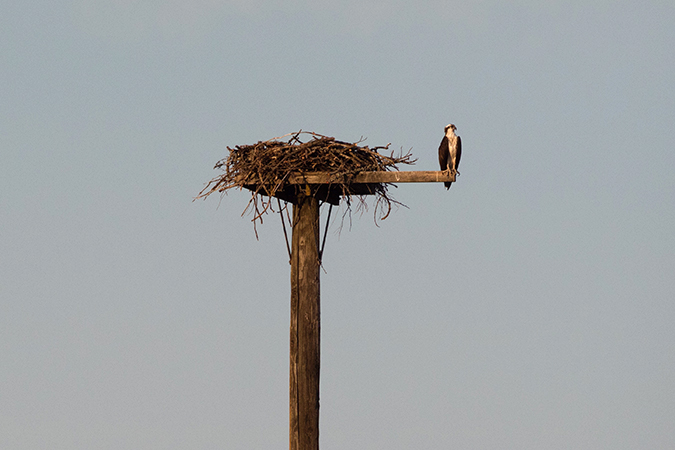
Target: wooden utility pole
point(306, 295)
point(305, 326)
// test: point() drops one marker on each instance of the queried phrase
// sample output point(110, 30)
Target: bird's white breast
point(452, 141)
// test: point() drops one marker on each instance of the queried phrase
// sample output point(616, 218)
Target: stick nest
point(265, 167)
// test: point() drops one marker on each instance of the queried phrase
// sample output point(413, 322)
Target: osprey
point(449, 152)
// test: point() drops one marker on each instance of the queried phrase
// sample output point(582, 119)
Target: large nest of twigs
point(266, 167)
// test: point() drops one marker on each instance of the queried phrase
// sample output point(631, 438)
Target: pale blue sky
point(529, 307)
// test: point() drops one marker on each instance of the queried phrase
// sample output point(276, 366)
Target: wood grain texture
point(305, 326)
point(418, 176)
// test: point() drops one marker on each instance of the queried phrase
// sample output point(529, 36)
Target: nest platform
point(307, 163)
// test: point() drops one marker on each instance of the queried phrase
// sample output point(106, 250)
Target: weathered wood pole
point(305, 326)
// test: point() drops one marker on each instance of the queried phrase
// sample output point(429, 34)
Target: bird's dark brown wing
point(443, 153)
point(459, 151)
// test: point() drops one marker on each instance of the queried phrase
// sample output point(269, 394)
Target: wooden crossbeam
point(419, 176)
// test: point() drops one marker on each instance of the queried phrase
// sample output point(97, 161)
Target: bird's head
point(450, 126)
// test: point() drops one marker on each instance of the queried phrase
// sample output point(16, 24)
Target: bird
point(450, 152)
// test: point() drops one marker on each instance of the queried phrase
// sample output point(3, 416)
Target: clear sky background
point(530, 307)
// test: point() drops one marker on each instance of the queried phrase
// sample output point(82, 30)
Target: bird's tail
point(448, 184)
